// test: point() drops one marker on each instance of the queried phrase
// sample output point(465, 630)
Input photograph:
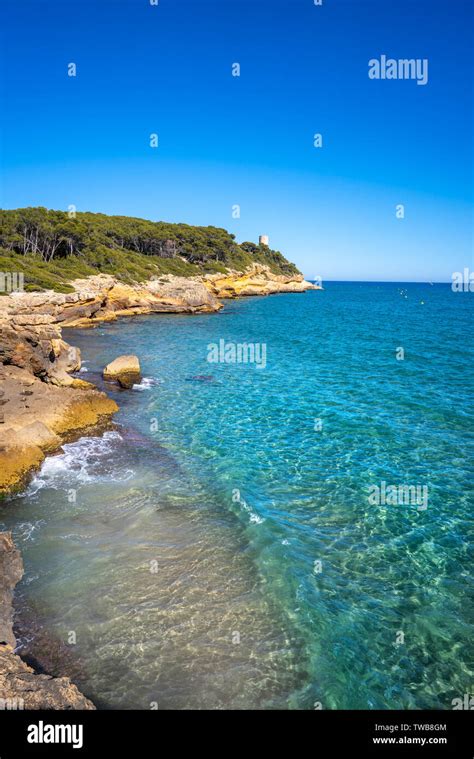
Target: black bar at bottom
point(376, 733)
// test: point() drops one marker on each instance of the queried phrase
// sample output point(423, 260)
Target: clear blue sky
point(225, 140)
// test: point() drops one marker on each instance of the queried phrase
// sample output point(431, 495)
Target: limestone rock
point(36, 433)
point(37, 415)
point(257, 279)
point(11, 572)
point(39, 349)
point(103, 297)
point(20, 686)
point(125, 370)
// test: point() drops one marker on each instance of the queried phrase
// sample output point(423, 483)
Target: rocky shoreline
point(20, 686)
point(42, 406)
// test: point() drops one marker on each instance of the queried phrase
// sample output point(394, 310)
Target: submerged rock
point(125, 370)
point(20, 686)
point(201, 378)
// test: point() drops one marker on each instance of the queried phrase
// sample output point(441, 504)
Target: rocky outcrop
point(20, 686)
point(11, 572)
point(125, 370)
point(104, 298)
point(256, 280)
point(41, 404)
point(37, 347)
point(38, 316)
point(37, 416)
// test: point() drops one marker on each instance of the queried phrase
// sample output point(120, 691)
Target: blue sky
point(248, 140)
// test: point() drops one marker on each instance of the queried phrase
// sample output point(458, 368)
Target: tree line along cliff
point(52, 248)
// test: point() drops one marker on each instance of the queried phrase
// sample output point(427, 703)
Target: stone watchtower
point(263, 240)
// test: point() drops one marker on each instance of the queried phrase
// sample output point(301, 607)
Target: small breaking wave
point(89, 459)
point(27, 530)
point(146, 383)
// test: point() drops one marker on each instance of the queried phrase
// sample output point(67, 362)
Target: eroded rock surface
point(256, 280)
point(20, 686)
point(125, 370)
point(36, 416)
point(104, 298)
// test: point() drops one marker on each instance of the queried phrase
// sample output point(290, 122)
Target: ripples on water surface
point(156, 493)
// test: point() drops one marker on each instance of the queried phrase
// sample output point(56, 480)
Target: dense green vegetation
point(51, 248)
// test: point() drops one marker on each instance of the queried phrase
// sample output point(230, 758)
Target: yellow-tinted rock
point(37, 434)
point(258, 279)
point(125, 370)
point(16, 463)
point(85, 411)
point(38, 416)
point(82, 384)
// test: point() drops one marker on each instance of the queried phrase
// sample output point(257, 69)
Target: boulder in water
point(125, 370)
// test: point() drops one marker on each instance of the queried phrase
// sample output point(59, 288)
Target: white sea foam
point(27, 530)
point(87, 460)
point(30, 578)
point(146, 383)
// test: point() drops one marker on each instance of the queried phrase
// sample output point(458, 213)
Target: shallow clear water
point(178, 593)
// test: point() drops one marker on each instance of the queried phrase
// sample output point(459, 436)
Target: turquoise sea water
point(221, 550)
